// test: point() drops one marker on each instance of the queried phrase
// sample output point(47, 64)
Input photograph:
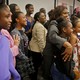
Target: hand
point(16, 39)
point(68, 52)
point(77, 74)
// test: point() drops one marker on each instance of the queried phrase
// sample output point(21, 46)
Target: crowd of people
point(34, 48)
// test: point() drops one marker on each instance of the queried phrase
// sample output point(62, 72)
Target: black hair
point(12, 8)
point(74, 20)
point(42, 10)
point(57, 12)
point(3, 7)
point(2, 2)
point(50, 13)
point(28, 5)
point(61, 24)
point(36, 16)
point(78, 14)
point(16, 15)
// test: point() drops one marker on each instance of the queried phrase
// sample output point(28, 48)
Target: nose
point(10, 19)
point(71, 30)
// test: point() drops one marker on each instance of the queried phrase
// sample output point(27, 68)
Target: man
point(6, 59)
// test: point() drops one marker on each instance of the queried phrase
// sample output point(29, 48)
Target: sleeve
point(54, 38)
point(15, 50)
point(21, 55)
point(41, 37)
point(12, 69)
point(4, 56)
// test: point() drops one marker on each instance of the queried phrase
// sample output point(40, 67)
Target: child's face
point(77, 27)
point(68, 30)
point(22, 19)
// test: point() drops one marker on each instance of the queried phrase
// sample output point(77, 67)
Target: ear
point(17, 20)
point(64, 29)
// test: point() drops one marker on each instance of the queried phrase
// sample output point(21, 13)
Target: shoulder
point(73, 36)
point(4, 40)
point(53, 22)
point(38, 25)
point(14, 31)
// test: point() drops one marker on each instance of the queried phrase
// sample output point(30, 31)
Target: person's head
point(60, 11)
point(14, 8)
point(76, 24)
point(20, 18)
point(50, 13)
point(76, 10)
point(64, 26)
point(40, 16)
point(5, 17)
point(42, 10)
point(78, 14)
point(29, 8)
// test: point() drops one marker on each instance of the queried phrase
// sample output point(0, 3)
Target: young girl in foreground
point(65, 68)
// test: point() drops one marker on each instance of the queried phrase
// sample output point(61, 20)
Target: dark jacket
point(53, 39)
point(53, 42)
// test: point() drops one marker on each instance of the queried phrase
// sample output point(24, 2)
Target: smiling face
point(5, 18)
point(65, 14)
point(42, 18)
point(30, 9)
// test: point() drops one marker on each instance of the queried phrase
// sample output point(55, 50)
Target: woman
point(53, 39)
point(6, 58)
point(14, 42)
point(38, 40)
point(65, 30)
point(13, 8)
point(22, 61)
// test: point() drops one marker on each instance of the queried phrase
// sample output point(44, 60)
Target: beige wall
point(69, 2)
point(77, 4)
point(47, 4)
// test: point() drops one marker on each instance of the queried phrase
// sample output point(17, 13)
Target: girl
point(75, 43)
point(6, 58)
point(65, 30)
point(22, 65)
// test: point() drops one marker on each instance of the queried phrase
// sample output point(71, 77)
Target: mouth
point(9, 25)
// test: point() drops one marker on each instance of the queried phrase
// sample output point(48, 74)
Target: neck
point(28, 14)
point(19, 27)
point(74, 32)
